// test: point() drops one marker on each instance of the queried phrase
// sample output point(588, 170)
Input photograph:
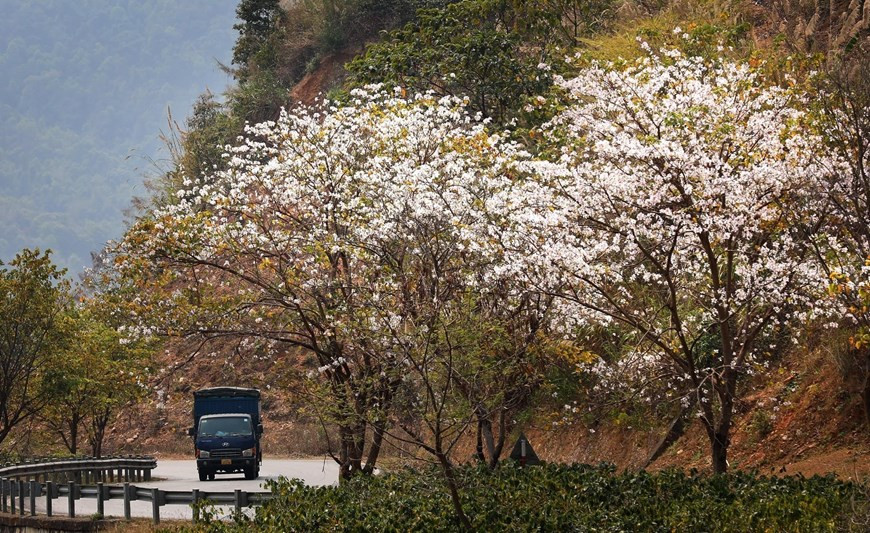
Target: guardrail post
point(148, 474)
point(126, 501)
point(12, 486)
point(3, 495)
point(21, 497)
point(238, 502)
point(32, 497)
point(155, 505)
point(49, 496)
point(195, 494)
point(101, 499)
point(71, 498)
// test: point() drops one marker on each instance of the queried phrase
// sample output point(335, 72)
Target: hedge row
point(559, 498)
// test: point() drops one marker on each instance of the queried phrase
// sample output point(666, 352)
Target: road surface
point(181, 475)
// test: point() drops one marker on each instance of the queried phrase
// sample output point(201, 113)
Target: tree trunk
point(499, 445)
point(359, 446)
point(98, 447)
point(454, 491)
point(865, 394)
point(719, 432)
point(720, 453)
point(352, 446)
point(98, 430)
point(378, 429)
point(488, 448)
point(676, 430)
point(73, 435)
point(345, 470)
point(488, 440)
point(481, 458)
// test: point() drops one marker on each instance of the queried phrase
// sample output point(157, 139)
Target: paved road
point(181, 475)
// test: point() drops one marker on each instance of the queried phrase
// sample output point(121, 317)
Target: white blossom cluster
point(322, 215)
point(679, 207)
point(682, 202)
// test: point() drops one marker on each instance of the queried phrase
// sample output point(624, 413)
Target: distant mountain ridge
point(83, 98)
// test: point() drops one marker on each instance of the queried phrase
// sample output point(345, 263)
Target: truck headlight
point(203, 454)
point(249, 452)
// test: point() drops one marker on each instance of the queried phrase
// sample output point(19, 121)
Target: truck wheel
point(252, 472)
point(202, 475)
point(211, 477)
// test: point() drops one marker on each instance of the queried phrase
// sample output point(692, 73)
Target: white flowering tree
point(679, 209)
point(352, 233)
point(464, 335)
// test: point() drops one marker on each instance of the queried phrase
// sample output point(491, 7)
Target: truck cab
point(226, 431)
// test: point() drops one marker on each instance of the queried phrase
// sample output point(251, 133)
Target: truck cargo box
point(219, 400)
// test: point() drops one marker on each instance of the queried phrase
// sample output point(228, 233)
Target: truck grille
point(227, 452)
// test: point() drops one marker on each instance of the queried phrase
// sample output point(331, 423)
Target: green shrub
point(760, 425)
point(558, 498)
point(489, 51)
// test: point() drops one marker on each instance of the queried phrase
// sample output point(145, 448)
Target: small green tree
point(124, 367)
point(70, 387)
point(257, 20)
point(102, 372)
point(34, 331)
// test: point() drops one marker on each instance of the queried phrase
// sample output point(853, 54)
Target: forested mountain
point(84, 92)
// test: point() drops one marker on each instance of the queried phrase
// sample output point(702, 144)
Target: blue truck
point(226, 431)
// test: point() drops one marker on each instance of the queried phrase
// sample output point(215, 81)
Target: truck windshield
point(239, 426)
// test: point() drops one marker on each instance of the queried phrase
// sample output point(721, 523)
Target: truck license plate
point(226, 461)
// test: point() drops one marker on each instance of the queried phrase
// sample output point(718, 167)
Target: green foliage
point(102, 372)
point(558, 498)
point(760, 425)
point(208, 131)
point(258, 19)
point(34, 332)
point(337, 23)
point(472, 48)
point(260, 98)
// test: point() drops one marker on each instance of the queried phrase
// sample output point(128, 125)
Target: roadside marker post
point(523, 452)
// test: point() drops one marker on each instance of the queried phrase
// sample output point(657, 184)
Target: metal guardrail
point(28, 491)
point(87, 477)
point(84, 469)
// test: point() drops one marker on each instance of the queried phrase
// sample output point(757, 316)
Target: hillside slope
point(803, 416)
